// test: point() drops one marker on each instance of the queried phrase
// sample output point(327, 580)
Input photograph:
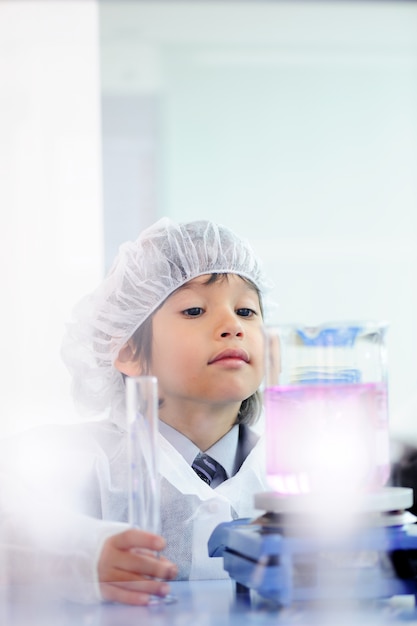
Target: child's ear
point(127, 362)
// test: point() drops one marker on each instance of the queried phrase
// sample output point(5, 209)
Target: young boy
point(182, 303)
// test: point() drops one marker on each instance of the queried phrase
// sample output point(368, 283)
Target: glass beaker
point(142, 417)
point(326, 407)
point(142, 403)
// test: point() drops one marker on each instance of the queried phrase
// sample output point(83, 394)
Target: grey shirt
point(223, 451)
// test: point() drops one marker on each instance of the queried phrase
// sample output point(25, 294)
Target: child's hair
point(163, 258)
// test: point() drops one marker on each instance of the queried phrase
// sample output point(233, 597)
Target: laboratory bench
point(199, 603)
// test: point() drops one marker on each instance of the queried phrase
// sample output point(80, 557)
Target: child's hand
point(129, 565)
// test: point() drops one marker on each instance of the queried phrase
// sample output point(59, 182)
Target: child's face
point(207, 342)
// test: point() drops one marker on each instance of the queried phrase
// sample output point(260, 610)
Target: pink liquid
point(327, 436)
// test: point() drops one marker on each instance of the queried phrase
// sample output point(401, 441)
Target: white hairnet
point(165, 256)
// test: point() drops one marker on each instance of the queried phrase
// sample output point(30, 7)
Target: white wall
point(295, 123)
point(50, 196)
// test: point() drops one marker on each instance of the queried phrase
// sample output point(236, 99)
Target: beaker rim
point(364, 324)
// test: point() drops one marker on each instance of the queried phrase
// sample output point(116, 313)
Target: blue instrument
point(286, 562)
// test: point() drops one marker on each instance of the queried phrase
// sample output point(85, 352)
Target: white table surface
point(199, 603)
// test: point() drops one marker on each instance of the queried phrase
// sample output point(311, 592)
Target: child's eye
point(194, 311)
point(244, 312)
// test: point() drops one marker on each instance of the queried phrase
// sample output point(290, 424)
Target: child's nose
point(231, 326)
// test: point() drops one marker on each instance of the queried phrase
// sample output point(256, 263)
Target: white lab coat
point(63, 491)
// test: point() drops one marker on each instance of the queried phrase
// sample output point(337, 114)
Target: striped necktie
point(207, 468)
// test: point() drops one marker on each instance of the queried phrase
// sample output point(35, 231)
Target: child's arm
point(129, 566)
